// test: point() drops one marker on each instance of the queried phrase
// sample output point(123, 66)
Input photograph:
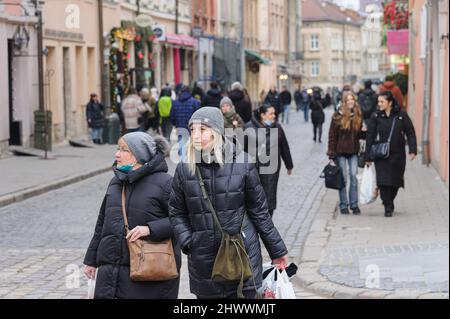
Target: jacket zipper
point(213, 197)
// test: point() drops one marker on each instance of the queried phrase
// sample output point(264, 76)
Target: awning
point(256, 56)
point(398, 42)
point(182, 40)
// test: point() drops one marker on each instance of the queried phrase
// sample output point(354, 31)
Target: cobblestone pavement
point(43, 239)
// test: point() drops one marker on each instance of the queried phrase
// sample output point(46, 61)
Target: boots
point(389, 210)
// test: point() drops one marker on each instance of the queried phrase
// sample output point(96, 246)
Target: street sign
point(160, 32)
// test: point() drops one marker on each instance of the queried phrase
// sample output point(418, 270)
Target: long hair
point(217, 151)
point(348, 121)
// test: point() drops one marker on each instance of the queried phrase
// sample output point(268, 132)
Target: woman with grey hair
point(216, 191)
point(141, 172)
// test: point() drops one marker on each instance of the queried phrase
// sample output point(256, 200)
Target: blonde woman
point(233, 186)
point(343, 147)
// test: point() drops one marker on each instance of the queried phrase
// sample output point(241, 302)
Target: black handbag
point(379, 150)
point(334, 179)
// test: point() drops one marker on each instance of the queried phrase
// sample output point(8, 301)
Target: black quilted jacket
point(235, 191)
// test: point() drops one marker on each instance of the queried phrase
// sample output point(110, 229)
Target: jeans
point(352, 161)
point(306, 111)
point(97, 134)
point(182, 147)
point(285, 114)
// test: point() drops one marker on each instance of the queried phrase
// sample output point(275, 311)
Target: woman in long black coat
point(264, 122)
point(391, 171)
point(318, 118)
point(236, 194)
point(142, 168)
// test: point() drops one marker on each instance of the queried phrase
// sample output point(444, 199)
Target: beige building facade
point(19, 76)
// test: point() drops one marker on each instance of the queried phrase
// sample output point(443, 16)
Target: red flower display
point(396, 15)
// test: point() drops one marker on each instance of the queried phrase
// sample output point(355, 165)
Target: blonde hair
point(216, 151)
point(347, 120)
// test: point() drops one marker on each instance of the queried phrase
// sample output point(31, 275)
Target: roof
point(320, 10)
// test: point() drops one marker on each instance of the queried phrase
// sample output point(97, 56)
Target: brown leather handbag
point(150, 261)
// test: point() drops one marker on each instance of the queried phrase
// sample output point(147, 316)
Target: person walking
point(389, 85)
point(285, 101)
point(231, 118)
point(216, 191)
point(318, 118)
point(273, 99)
point(262, 131)
point(391, 124)
point(368, 100)
point(133, 109)
point(241, 102)
point(346, 130)
point(95, 115)
point(141, 172)
point(306, 104)
point(213, 96)
point(163, 113)
point(298, 98)
point(181, 112)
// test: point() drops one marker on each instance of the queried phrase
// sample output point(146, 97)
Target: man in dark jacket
point(95, 118)
point(368, 101)
point(298, 99)
point(285, 102)
point(180, 114)
point(213, 96)
point(241, 102)
point(273, 99)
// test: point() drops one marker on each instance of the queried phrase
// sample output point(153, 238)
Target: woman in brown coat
point(343, 147)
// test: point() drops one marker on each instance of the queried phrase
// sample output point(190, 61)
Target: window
point(315, 68)
point(314, 42)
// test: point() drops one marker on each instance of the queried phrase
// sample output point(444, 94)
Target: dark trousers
point(251, 294)
point(317, 131)
point(388, 195)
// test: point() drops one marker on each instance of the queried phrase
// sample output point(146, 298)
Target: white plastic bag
point(368, 192)
point(277, 286)
point(91, 287)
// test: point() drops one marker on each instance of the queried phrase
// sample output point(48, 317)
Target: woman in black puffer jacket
point(237, 196)
point(142, 168)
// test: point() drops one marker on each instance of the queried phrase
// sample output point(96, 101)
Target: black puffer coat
point(242, 104)
point(391, 171)
point(235, 191)
point(279, 150)
point(147, 196)
point(95, 115)
point(212, 98)
point(317, 113)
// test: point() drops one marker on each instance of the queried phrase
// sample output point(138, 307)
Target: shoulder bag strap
point(392, 130)
point(124, 210)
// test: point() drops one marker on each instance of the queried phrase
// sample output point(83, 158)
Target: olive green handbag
point(232, 264)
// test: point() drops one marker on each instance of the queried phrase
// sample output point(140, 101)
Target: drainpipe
point(426, 98)
point(101, 42)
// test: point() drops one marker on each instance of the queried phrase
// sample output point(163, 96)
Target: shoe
point(345, 211)
point(356, 211)
point(388, 211)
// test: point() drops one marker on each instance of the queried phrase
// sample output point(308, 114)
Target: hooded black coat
point(242, 104)
point(212, 98)
point(235, 191)
point(147, 195)
point(391, 171)
point(279, 150)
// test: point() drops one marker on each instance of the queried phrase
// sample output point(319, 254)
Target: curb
point(39, 190)
point(313, 251)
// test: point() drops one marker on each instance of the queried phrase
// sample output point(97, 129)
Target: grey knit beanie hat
point(142, 145)
point(211, 117)
point(226, 100)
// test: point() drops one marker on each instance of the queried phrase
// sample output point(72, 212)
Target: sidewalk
point(25, 177)
point(370, 256)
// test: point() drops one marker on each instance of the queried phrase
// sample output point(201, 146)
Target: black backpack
point(334, 179)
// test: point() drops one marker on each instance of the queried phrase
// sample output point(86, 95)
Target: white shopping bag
point(277, 286)
point(368, 192)
point(91, 287)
